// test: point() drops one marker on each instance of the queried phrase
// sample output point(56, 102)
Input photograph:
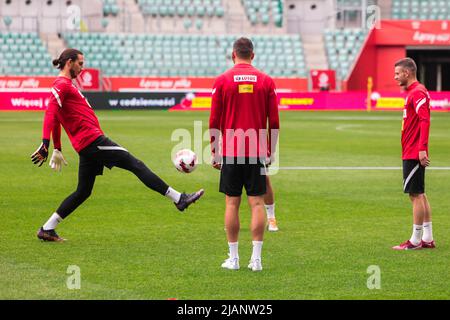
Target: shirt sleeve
point(56, 134)
point(216, 115)
point(51, 122)
point(274, 120)
point(422, 106)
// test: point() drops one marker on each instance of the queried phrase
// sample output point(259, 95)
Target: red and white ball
point(185, 161)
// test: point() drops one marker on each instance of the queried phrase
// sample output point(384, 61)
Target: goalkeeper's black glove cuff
point(46, 143)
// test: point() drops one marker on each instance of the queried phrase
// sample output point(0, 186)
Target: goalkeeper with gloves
point(69, 108)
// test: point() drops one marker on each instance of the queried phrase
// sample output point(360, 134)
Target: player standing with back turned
point(69, 108)
point(244, 106)
point(415, 133)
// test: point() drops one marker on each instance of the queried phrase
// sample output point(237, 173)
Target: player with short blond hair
point(415, 134)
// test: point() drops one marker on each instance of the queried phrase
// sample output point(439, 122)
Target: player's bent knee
point(136, 164)
point(83, 194)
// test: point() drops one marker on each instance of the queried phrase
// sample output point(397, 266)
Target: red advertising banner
point(291, 85)
point(322, 101)
point(24, 101)
point(89, 79)
point(413, 32)
point(19, 83)
point(187, 84)
point(290, 101)
point(440, 101)
point(323, 80)
point(326, 101)
point(157, 84)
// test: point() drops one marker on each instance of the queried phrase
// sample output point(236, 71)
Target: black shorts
point(413, 177)
point(103, 152)
point(235, 175)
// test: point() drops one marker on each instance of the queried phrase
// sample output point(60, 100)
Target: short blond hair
point(407, 63)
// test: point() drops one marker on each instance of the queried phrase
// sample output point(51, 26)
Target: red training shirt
point(416, 122)
point(244, 102)
point(69, 108)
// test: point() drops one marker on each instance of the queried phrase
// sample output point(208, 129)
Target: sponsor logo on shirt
point(245, 78)
point(245, 88)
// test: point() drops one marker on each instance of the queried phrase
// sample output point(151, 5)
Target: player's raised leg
point(181, 200)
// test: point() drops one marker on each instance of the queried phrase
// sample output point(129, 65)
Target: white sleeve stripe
point(420, 103)
point(57, 97)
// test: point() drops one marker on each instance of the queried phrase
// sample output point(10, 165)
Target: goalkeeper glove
point(41, 153)
point(57, 160)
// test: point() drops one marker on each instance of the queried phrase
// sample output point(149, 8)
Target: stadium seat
point(264, 11)
point(110, 7)
point(342, 47)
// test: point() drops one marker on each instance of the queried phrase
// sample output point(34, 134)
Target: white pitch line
point(351, 168)
point(344, 127)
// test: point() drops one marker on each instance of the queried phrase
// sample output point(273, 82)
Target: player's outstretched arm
point(51, 127)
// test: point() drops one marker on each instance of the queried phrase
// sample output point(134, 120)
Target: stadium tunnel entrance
point(433, 67)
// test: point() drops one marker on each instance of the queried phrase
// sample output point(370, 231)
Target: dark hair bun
point(56, 62)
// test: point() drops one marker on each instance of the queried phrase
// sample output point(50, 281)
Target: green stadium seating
point(184, 55)
point(264, 11)
point(182, 8)
point(420, 9)
point(24, 54)
point(342, 47)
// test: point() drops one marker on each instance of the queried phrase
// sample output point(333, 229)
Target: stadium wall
point(90, 79)
point(388, 44)
point(365, 66)
point(386, 57)
point(198, 84)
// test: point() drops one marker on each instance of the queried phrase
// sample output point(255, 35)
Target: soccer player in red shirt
point(244, 106)
point(415, 133)
point(69, 108)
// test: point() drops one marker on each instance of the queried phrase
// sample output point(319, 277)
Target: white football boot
point(255, 265)
point(272, 225)
point(231, 264)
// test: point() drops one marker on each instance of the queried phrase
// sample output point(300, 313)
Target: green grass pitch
point(131, 243)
